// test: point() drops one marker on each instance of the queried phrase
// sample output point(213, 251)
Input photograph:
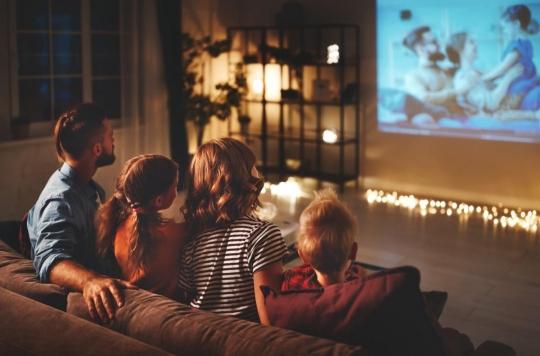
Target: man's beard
point(437, 56)
point(105, 159)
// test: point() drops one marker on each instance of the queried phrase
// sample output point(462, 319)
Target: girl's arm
point(268, 276)
point(502, 67)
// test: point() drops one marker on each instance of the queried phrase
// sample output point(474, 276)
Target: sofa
point(40, 319)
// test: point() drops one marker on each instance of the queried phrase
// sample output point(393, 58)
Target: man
point(61, 223)
point(428, 82)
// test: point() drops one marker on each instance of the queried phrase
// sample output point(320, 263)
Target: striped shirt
point(217, 266)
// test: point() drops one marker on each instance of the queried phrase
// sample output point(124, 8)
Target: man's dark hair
point(415, 37)
point(76, 129)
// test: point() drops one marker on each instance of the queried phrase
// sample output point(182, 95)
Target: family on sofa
point(223, 259)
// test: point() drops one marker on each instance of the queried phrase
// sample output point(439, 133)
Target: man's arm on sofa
point(268, 276)
point(54, 261)
point(102, 294)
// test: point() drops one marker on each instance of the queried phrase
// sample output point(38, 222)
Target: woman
point(232, 252)
point(477, 97)
point(130, 227)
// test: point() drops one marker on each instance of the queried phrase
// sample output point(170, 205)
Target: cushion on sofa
point(9, 233)
point(18, 275)
point(31, 328)
point(180, 329)
point(383, 312)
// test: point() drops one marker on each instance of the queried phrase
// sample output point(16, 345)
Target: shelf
point(347, 63)
point(327, 177)
point(299, 102)
point(309, 138)
point(289, 129)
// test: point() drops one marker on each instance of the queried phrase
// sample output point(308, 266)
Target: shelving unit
point(286, 129)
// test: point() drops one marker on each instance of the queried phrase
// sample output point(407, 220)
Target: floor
point(492, 277)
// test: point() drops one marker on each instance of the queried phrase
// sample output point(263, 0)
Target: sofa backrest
point(31, 328)
point(181, 329)
point(17, 274)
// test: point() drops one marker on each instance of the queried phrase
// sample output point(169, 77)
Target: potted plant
point(20, 127)
point(200, 106)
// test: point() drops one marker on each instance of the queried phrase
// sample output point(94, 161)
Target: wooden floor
point(492, 277)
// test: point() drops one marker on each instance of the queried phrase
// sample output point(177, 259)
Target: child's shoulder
point(171, 229)
point(299, 277)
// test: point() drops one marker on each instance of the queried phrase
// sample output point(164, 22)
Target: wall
point(27, 164)
point(26, 167)
point(472, 170)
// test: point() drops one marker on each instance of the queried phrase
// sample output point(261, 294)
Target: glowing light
point(257, 87)
point(269, 84)
point(495, 215)
point(330, 136)
point(333, 54)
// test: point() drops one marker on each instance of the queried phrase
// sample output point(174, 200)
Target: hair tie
point(136, 207)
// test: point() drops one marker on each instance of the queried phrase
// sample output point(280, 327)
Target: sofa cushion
point(383, 312)
point(18, 275)
point(180, 329)
point(9, 233)
point(31, 328)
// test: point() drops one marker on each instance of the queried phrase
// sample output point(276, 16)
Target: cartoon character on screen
point(477, 97)
point(517, 25)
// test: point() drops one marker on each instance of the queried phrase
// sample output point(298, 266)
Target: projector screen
point(459, 68)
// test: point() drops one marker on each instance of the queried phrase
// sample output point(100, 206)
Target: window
point(68, 51)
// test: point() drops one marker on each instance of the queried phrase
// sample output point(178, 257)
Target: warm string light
point(527, 220)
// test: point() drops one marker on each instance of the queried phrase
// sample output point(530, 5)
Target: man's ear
point(354, 250)
point(97, 148)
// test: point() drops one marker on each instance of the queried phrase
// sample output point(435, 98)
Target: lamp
point(269, 84)
point(332, 56)
point(330, 136)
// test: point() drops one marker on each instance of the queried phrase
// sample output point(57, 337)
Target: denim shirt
point(61, 223)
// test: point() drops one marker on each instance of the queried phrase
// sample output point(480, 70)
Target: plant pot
point(20, 131)
point(244, 122)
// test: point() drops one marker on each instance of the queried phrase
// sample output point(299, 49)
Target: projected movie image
point(459, 68)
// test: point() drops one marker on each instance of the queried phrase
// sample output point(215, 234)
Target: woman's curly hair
point(221, 187)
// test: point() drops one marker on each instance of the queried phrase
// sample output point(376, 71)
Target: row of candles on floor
point(527, 220)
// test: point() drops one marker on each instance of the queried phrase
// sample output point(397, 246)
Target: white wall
point(472, 170)
point(25, 168)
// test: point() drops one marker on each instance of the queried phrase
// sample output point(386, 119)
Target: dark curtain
point(169, 17)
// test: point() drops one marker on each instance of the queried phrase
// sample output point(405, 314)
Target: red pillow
point(383, 312)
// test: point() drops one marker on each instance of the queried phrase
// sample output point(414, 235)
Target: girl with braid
point(130, 227)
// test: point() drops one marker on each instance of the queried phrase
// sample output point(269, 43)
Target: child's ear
point(354, 250)
point(301, 255)
point(158, 201)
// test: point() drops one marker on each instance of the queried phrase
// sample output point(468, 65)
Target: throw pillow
point(383, 312)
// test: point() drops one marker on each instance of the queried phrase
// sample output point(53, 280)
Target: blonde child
point(325, 244)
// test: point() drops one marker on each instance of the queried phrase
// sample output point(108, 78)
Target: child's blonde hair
point(327, 231)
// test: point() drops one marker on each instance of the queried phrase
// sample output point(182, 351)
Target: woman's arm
point(495, 97)
point(502, 67)
point(268, 276)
